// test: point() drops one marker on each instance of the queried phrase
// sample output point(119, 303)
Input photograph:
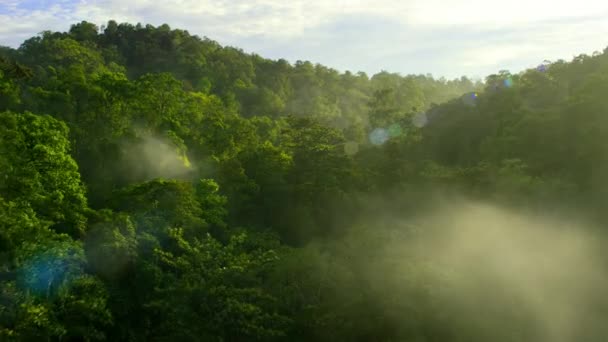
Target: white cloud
point(455, 36)
point(484, 13)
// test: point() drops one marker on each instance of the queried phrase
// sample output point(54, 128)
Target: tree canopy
point(157, 186)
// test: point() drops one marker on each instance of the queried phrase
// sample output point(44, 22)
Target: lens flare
point(47, 270)
point(378, 136)
point(508, 82)
point(470, 99)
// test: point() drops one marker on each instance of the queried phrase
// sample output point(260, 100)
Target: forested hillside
point(156, 186)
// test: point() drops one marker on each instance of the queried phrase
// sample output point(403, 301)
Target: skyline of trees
point(156, 186)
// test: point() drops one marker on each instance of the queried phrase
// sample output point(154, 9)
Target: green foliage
point(161, 203)
point(37, 169)
point(10, 74)
point(110, 244)
point(237, 198)
point(219, 285)
point(51, 296)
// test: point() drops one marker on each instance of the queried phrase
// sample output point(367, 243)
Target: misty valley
point(158, 186)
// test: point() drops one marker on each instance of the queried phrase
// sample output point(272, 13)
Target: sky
point(448, 38)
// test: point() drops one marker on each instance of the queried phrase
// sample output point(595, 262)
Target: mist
point(469, 271)
point(154, 157)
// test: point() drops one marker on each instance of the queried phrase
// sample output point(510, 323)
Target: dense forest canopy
point(157, 186)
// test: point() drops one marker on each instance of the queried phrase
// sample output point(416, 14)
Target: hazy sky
point(443, 37)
